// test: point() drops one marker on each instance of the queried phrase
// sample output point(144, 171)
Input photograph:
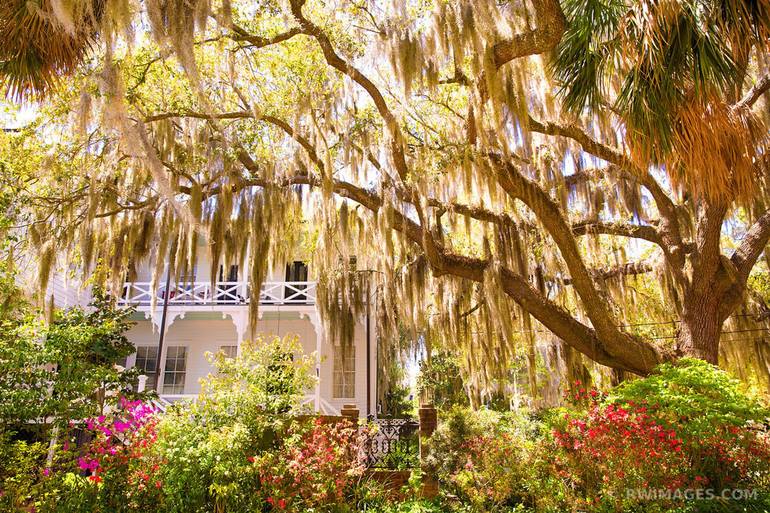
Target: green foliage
point(584, 52)
point(689, 426)
point(64, 370)
point(692, 393)
point(669, 52)
point(417, 506)
point(206, 463)
point(716, 419)
point(397, 403)
point(493, 461)
point(268, 376)
point(445, 448)
point(20, 464)
point(440, 378)
point(243, 409)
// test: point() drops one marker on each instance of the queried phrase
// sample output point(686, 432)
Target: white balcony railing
point(223, 293)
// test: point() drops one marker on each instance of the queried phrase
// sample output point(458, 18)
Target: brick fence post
point(350, 412)
point(428, 422)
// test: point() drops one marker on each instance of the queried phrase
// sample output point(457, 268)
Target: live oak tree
point(497, 168)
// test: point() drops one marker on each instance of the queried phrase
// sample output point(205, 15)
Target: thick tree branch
point(632, 354)
point(632, 351)
point(590, 227)
point(751, 247)
point(337, 62)
point(612, 156)
point(552, 316)
point(589, 144)
point(627, 269)
point(707, 258)
point(753, 94)
point(668, 228)
point(576, 334)
point(255, 41)
point(551, 24)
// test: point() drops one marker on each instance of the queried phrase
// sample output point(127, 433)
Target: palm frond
point(39, 43)
point(679, 63)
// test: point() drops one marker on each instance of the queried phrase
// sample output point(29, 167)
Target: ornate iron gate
point(394, 444)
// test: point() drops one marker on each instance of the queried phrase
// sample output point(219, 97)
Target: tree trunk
point(701, 326)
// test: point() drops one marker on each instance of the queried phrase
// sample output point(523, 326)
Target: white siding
point(67, 292)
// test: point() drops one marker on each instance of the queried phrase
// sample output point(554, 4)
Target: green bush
point(440, 378)
point(446, 450)
point(693, 394)
point(65, 370)
point(243, 409)
point(494, 461)
point(417, 506)
point(718, 422)
point(689, 426)
point(21, 465)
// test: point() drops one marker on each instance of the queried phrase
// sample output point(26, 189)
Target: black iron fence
point(394, 444)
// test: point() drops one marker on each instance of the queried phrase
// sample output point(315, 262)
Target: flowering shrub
point(491, 460)
point(689, 426)
point(613, 449)
point(718, 423)
point(241, 448)
point(120, 439)
point(732, 457)
point(493, 472)
point(116, 471)
point(315, 468)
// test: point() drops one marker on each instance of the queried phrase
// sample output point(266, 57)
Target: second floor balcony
point(221, 293)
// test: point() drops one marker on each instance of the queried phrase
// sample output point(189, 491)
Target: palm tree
point(42, 40)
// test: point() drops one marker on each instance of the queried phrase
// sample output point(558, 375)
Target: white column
point(315, 320)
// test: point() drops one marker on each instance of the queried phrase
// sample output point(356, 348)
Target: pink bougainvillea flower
point(121, 426)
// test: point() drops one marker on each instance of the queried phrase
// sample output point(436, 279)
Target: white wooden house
point(201, 319)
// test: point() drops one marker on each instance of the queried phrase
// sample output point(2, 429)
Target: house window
point(176, 369)
point(227, 290)
point(344, 373)
point(232, 273)
point(229, 351)
point(146, 361)
point(295, 293)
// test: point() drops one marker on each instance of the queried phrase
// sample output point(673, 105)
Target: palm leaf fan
point(43, 40)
